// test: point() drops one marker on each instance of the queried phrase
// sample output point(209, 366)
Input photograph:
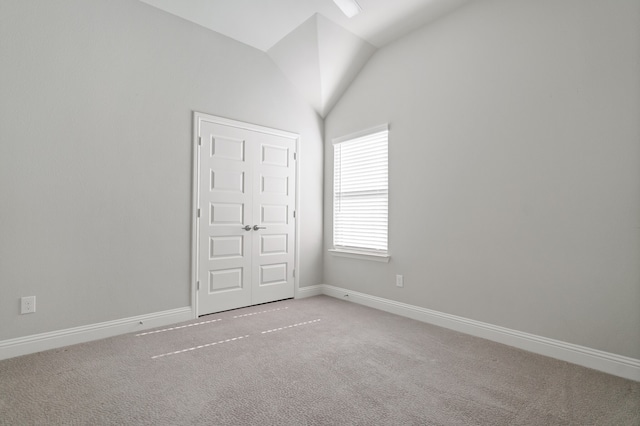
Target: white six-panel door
point(246, 226)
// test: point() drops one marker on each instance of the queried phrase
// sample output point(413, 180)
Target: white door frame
point(198, 117)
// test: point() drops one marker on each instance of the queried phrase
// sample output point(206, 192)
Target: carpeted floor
point(315, 361)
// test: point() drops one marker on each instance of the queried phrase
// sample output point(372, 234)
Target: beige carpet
point(316, 361)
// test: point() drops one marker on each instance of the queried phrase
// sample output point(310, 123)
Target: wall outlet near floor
point(399, 281)
point(28, 305)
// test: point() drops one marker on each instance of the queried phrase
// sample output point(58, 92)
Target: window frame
point(357, 253)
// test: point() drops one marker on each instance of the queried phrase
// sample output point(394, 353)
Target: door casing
point(198, 118)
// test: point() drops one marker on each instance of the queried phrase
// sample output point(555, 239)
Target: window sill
point(353, 254)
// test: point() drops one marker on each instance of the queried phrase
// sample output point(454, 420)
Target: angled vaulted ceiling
point(318, 48)
point(321, 59)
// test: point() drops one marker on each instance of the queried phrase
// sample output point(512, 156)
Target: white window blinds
point(361, 192)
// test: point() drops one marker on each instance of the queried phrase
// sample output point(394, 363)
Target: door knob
point(247, 228)
point(256, 227)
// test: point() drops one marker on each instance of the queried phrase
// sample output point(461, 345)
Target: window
point(360, 194)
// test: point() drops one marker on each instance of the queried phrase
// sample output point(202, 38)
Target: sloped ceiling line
point(322, 55)
point(321, 59)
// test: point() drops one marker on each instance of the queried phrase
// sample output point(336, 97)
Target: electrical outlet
point(399, 281)
point(28, 305)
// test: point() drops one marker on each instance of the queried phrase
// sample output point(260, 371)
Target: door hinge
point(199, 140)
point(294, 214)
point(295, 155)
point(198, 212)
point(294, 273)
point(198, 285)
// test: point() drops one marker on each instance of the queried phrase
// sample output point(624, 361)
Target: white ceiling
point(286, 29)
point(262, 23)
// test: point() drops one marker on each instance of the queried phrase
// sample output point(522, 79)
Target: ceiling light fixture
point(349, 7)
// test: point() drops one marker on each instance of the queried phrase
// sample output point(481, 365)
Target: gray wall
point(514, 168)
point(96, 101)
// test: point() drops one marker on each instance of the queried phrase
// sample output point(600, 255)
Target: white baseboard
point(312, 290)
point(617, 365)
point(71, 336)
